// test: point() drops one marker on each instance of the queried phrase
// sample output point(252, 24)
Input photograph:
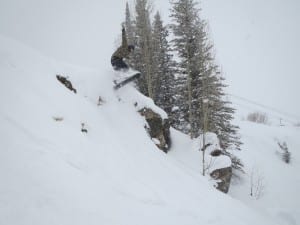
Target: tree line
point(180, 72)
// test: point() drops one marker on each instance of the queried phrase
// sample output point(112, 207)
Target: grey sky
point(257, 45)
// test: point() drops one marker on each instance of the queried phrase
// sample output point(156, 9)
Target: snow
point(140, 101)
point(212, 163)
point(52, 173)
point(187, 152)
point(281, 181)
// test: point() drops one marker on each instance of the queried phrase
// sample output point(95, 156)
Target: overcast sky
point(256, 42)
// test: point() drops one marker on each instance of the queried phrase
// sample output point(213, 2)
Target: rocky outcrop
point(158, 128)
point(66, 82)
point(223, 178)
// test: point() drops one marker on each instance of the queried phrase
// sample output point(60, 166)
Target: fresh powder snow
point(53, 173)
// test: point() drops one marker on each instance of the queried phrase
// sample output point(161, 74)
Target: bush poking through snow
point(258, 117)
point(285, 154)
point(83, 129)
point(58, 118)
point(100, 101)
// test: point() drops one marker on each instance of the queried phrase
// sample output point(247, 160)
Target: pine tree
point(163, 64)
point(220, 117)
point(180, 106)
point(143, 52)
point(129, 25)
point(130, 31)
point(192, 47)
point(208, 109)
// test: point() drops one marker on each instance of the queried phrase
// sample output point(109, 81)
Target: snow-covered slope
point(52, 173)
point(276, 182)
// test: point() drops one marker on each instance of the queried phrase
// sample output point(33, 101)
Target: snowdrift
point(52, 173)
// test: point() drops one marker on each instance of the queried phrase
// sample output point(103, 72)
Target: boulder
point(158, 128)
point(223, 178)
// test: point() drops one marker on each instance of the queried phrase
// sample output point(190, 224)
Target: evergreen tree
point(143, 52)
point(163, 70)
point(129, 25)
point(180, 106)
point(192, 47)
point(190, 90)
point(220, 116)
point(208, 109)
point(130, 31)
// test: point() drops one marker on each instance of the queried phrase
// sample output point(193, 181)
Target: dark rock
point(223, 178)
point(158, 128)
point(66, 82)
point(216, 153)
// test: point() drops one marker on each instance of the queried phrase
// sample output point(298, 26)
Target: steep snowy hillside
point(52, 173)
point(275, 183)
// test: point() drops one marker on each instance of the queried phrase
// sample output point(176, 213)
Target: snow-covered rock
point(223, 178)
point(158, 128)
point(218, 166)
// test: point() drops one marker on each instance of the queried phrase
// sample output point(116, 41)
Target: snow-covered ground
point(52, 173)
point(277, 181)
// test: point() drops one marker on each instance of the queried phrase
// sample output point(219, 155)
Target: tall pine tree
point(208, 109)
point(163, 67)
point(143, 52)
point(193, 51)
point(130, 31)
point(129, 25)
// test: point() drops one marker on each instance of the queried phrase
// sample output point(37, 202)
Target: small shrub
point(285, 154)
point(258, 117)
point(83, 129)
point(58, 118)
point(286, 157)
point(100, 101)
